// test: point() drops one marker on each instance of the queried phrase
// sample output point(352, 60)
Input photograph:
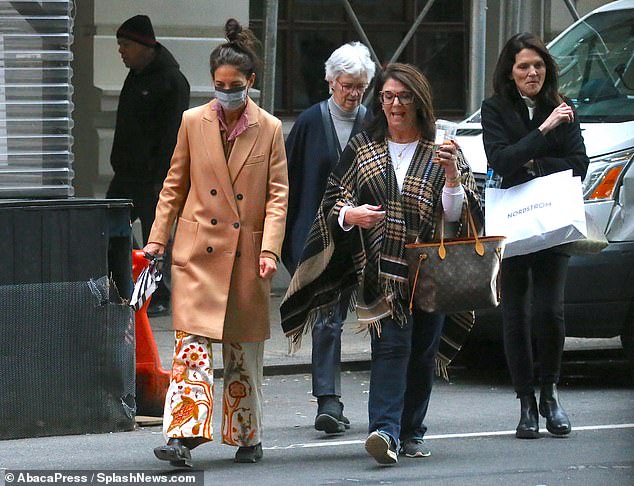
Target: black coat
point(151, 105)
point(310, 161)
point(511, 140)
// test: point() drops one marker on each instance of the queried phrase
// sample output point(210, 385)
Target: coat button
point(214, 221)
point(236, 225)
point(213, 192)
point(239, 197)
point(209, 249)
point(238, 254)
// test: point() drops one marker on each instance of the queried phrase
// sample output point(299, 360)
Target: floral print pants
point(189, 400)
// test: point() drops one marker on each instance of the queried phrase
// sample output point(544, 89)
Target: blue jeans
point(402, 375)
point(326, 357)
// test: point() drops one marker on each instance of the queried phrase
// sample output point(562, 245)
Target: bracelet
point(453, 180)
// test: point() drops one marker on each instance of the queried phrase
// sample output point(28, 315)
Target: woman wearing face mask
point(228, 187)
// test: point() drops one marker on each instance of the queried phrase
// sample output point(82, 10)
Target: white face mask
point(233, 98)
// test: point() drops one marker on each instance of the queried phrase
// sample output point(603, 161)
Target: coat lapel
point(245, 142)
point(210, 128)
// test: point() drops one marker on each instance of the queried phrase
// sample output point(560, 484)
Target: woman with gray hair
point(313, 147)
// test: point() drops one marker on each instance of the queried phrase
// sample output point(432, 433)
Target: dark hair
point(415, 81)
point(239, 50)
point(503, 84)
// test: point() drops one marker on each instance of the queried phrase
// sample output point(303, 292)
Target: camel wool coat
point(228, 213)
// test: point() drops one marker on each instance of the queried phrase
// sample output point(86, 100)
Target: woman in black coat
point(529, 131)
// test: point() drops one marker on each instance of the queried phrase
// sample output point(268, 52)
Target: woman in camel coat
point(229, 212)
point(227, 188)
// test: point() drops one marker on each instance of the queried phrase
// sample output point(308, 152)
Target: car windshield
point(596, 66)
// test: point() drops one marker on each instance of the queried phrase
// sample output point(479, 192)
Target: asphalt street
point(471, 423)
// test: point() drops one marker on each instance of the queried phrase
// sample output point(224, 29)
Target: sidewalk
point(355, 346)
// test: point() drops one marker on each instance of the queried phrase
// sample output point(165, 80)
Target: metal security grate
point(36, 99)
point(67, 360)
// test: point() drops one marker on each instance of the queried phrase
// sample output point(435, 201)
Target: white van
point(596, 71)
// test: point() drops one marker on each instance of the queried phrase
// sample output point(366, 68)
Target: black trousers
point(532, 291)
point(144, 197)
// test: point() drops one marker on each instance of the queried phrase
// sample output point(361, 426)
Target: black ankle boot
point(249, 454)
point(528, 427)
point(176, 452)
point(557, 421)
point(330, 418)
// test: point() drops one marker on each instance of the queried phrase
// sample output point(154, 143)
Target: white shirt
point(530, 104)
point(401, 155)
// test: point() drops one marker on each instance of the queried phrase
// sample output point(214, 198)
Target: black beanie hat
point(138, 29)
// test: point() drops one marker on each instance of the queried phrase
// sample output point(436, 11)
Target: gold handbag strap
point(479, 247)
point(421, 257)
point(442, 251)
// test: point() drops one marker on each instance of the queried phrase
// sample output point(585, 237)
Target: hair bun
point(233, 29)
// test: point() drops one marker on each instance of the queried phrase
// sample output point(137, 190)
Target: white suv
point(596, 71)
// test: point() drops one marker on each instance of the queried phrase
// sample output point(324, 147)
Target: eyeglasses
point(350, 88)
point(404, 97)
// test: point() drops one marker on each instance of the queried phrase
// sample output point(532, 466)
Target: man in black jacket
point(154, 95)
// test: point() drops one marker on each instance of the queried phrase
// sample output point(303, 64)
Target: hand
point(268, 267)
point(562, 114)
point(365, 216)
point(447, 158)
point(155, 249)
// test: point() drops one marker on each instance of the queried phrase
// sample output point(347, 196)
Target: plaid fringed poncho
point(370, 264)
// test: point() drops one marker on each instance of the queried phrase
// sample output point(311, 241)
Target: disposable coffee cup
point(445, 131)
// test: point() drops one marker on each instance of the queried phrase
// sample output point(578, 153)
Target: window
point(596, 66)
point(309, 30)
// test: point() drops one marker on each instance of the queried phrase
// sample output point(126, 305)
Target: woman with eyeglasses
point(227, 186)
point(392, 186)
point(313, 146)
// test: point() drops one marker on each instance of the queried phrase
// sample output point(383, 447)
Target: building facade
point(308, 30)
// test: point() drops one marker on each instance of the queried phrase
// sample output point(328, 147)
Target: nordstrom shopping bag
point(595, 241)
point(539, 214)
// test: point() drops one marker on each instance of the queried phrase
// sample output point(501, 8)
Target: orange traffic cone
point(151, 379)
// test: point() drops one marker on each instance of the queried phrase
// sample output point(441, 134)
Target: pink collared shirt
point(239, 128)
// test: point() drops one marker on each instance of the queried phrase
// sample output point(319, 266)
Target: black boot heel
point(557, 421)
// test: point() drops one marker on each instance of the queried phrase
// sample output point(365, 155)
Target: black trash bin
point(67, 361)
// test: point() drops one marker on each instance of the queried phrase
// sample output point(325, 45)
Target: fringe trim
point(295, 337)
point(442, 365)
point(396, 292)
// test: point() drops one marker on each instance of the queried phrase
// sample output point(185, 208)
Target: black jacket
point(310, 161)
point(511, 140)
point(150, 108)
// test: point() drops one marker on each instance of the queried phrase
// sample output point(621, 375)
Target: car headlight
point(603, 173)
